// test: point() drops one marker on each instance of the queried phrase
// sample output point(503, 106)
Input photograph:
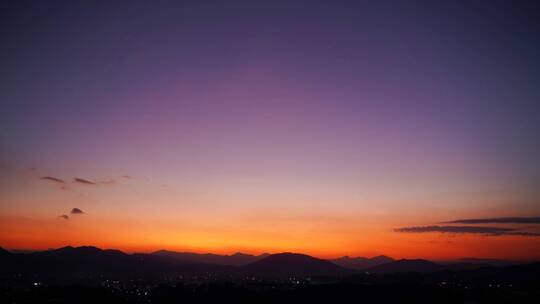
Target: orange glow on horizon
point(41, 234)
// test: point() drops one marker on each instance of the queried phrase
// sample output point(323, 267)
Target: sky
point(324, 127)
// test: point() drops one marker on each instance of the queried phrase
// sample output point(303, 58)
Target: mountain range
point(88, 260)
point(361, 263)
point(287, 264)
point(404, 265)
point(237, 259)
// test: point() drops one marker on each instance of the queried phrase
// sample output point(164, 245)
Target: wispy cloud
point(87, 182)
point(53, 179)
point(83, 181)
point(76, 211)
point(466, 229)
point(497, 220)
point(94, 183)
point(454, 229)
point(524, 233)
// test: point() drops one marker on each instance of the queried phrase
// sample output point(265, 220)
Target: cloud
point(64, 216)
point(83, 181)
point(453, 229)
point(53, 179)
point(76, 211)
point(524, 233)
point(466, 229)
point(498, 220)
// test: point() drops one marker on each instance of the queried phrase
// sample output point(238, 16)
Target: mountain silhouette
point(404, 265)
point(90, 261)
point(69, 262)
point(72, 252)
point(51, 275)
point(294, 264)
point(361, 263)
point(491, 262)
point(4, 252)
point(237, 259)
point(92, 275)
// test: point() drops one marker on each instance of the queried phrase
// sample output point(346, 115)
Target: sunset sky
point(324, 127)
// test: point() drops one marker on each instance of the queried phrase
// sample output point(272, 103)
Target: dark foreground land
point(92, 275)
point(228, 292)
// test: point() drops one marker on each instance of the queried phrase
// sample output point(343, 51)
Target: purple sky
point(340, 107)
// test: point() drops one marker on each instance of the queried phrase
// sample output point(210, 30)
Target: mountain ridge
point(288, 264)
point(235, 259)
point(361, 263)
point(98, 257)
point(406, 265)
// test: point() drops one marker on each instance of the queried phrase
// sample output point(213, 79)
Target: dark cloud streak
point(498, 220)
point(76, 211)
point(83, 181)
point(466, 229)
point(53, 179)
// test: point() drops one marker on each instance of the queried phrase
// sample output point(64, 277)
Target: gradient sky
point(310, 126)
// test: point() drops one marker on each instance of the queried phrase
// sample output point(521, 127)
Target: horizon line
point(27, 251)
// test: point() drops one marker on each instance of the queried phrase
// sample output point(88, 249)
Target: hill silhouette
point(4, 252)
point(69, 252)
point(237, 259)
point(360, 263)
point(491, 262)
point(69, 262)
point(294, 264)
point(404, 265)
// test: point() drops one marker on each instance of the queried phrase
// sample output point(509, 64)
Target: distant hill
point(69, 251)
point(491, 262)
point(237, 259)
point(80, 261)
point(84, 257)
point(4, 252)
point(287, 264)
point(360, 263)
point(87, 261)
point(83, 262)
point(405, 265)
